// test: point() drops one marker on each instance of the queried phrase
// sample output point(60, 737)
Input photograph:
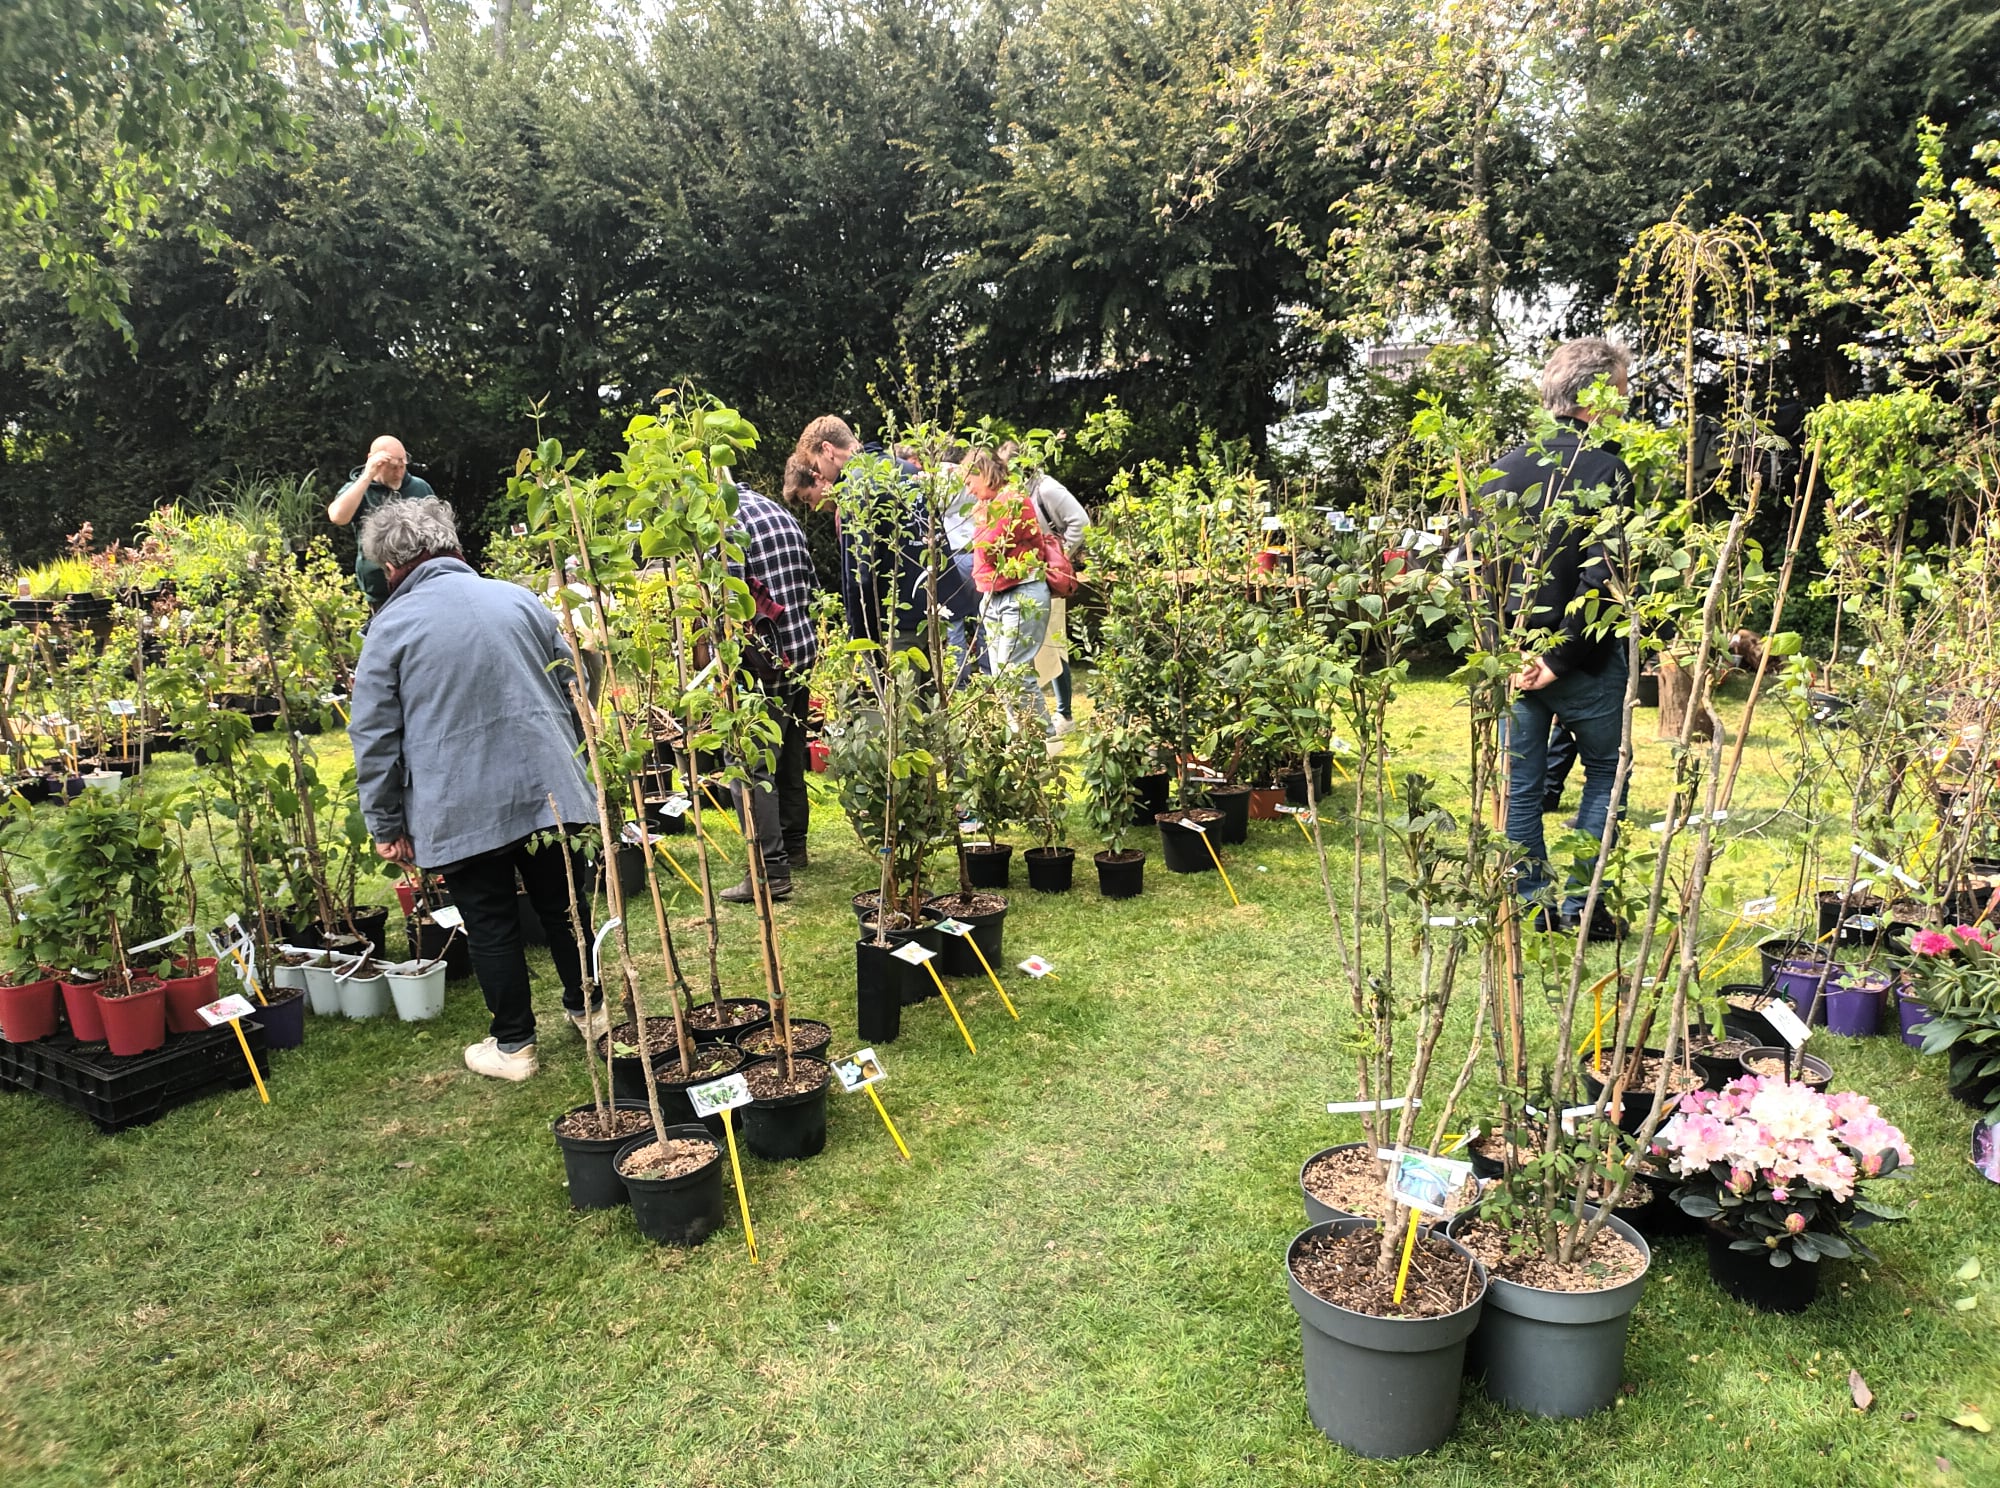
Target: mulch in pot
point(733, 1012)
point(1611, 1260)
point(1355, 1181)
point(767, 1079)
point(808, 1037)
point(1341, 1269)
point(680, 1155)
point(585, 1125)
point(958, 906)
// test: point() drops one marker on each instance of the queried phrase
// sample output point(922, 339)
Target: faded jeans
point(1014, 623)
point(1592, 709)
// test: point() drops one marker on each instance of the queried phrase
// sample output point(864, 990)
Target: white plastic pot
point(322, 992)
point(365, 997)
point(418, 995)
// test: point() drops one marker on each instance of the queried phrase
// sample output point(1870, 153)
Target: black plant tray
point(118, 1093)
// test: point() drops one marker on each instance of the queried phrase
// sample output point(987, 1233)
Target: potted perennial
point(1958, 979)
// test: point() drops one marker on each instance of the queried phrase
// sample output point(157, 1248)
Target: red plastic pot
point(818, 754)
point(137, 1022)
point(28, 1012)
point(186, 993)
point(406, 895)
point(80, 1002)
point(1264, 802)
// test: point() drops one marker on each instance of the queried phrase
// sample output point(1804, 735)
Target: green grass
point(1079, 1280)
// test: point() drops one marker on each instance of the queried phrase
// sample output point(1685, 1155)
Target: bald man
point(385, 478)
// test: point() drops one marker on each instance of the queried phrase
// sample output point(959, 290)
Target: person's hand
point(1534, 676)
point(378, 461)
point(397, 852)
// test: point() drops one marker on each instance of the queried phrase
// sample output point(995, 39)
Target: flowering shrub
point(1959, 981)
point(1781, 1166)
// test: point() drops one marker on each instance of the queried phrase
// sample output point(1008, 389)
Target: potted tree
point(1110, 761)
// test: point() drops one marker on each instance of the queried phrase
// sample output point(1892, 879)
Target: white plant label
point(973, 824)
point(1861, 922)
point(858, 1070)
point(447, 917)
point(1274, 524)
point(1568, 1117)
point(635, 525)
point(1036, 967)
point(1355, 1108)
point(632, 835)
point(519, 529)
point(1439, 523)
point(1374, 524)
point(1453, 922)
point(226, 1009)
point(1758, 909)
point(954, 927)
point(675, 805)
point(1427, 1183)
point(1790, 1028)
point(1195, 826)
point(721, 1095)
point(1340, 522)
point(121, 707)
point(913, 953)
point(1884, 865)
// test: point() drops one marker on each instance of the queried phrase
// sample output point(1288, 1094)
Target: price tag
point(858, 1071)
point(1757, 909)
point(519, 529)
point(1428, 542)
point(1036, 967)
point(1778, 1013)
point(226, 1009)
point(1861, 922)
point(121, 707)
point(1439, 523)
point(718, 1096)
point(1452, 922)
point(1225, 506)
point(911, 952)
point(635, 526)
point(1355, 1108)
point(953, 927)
point(446, 916)
point(1427, 1183)
point(1374, 524)
point(74, 733)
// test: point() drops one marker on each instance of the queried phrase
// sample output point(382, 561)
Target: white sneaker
point(1059, 725)
point(599, 1021)
point(486, 1058)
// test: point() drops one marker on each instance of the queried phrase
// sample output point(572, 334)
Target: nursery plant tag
point(1036, 967)
point(121, 707)
point(1780, 1016)
point(225, 1009)
point(953, 927)
point(858, 1070)
point(1340, 521)
point(635, 525)
point(1355, 1108)
point(675, 805)
point(519, 529)
point(1274, 524)
point(1569, 1116)
point(1425, 1182)
point(1757, 909)
point(721, 1095)
point(447, 917)
point(913, 953)
point(1861, 922)
point(1195, 826)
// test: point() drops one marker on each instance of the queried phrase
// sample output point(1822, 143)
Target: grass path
point(1078, 1281)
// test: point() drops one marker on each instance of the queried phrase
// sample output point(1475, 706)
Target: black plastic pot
point(628, 1078)
point(1717, 1070)
point(587, 1161)
point(1661, 1218)
point(729, 1034)
point(1294, 785)
point(1804, 1067)
point(1637, 1102)
point(1381, 1387)
point(786, 1128)
point(1857, 923)
point(878, 992)
point(917, 983)
point(1051, 869)
point(374, 923)
point(284, 1017)
point(1776, 951)
point(1233, 801)
point(955, 956)
point(676, 1211)
point(428, 941)
point(1746, 1022)
point(1749, 1276)
point(810, 1040)
point(1149, 797)
point(1121, 878)
point(1182, 848)
point(1549, 1353)
point(631, 860)
point(986, 865)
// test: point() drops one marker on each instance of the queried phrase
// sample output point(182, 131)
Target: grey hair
point(1575, 366)
point(397, 533)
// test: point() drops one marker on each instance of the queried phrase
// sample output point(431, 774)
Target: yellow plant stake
point(964, 932)
point(677, 868)
point(1210, 845)
point(859, 1071)
point(945, 993)
point(736, 1171)
point(720, 1097)
point(232, 1010)
point(1409, 1245)
point(883, 1111)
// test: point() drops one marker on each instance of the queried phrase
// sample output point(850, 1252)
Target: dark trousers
point(1063, 693)
point(483, 890)
point(794, 800)
point(1562, 758)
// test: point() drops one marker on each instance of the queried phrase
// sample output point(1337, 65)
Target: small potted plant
point(1778, 1172)
point(1052, 861)
point(1112, 758)
point(1958, 978)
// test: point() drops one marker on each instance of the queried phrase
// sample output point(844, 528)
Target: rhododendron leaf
point(1858, 1388)
point(1805, 1248)
point(1781, 1257)
point(1700, 1206)
point(1833, 1247)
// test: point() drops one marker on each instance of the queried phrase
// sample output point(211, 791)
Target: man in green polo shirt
point(386, 477)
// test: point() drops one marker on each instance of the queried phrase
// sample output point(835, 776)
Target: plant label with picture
point(635, 526)
point(953, 927)
point(121, 707)
point(675, 805)
point(1427, 1183)
point(519, 529)
point(858, 1070)
point(226, 1010)
point(911, 952)
point(1036, 967)
point(1778, 1013)
point(447, 917)
point(1758, 909)
point(718, 1096)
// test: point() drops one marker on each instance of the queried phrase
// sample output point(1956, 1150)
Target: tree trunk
point(1676, 691)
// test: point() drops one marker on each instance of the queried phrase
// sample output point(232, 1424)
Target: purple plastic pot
point(1854, 1005)
point(1912, 1015)
point(1798, 979)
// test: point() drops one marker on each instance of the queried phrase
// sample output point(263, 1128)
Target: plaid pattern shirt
point(779, 571)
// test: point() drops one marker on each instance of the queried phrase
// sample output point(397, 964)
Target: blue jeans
point(1592, 709)
point(1015, 623)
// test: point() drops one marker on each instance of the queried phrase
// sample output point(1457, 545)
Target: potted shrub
point(1779, 1172)
point(1051, 861)
point(991, 761)
point(1110, 760)
point(1958, 978)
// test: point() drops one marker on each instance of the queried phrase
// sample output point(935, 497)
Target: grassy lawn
point(376, 1280)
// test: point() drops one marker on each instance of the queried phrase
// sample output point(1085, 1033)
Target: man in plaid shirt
point(779, 571)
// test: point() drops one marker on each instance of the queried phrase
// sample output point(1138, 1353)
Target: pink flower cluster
point(1942, 943)
point(1790, 1136)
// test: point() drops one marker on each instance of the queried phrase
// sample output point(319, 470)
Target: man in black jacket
point(1577, 672)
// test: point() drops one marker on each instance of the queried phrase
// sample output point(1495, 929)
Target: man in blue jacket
point(464, 731)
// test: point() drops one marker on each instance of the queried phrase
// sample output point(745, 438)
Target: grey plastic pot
point(1381, 1387)
point(1558, 1354)
point(1318, 1211)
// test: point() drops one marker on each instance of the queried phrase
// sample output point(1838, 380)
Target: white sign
point(1274, 524)
point(858, 1071)
point(1355, 1108)
point(1195, 826)
point(1340, 522)
point(226, 1009)
point(953, 927)
point(675, 805)
point(1427, 1183)
point(519, 529)
point(121, 707)
point(1036, 967)
point(913, 953)
point(1452, 922)
point(1757, 909)
point(448, 917)
point(635, 525)
point(1780, 1016)
point(716, 1096)
point(1884, 865)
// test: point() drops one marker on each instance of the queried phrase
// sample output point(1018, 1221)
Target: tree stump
point(1676, 691)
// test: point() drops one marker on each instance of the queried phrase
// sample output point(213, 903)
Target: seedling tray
point(119, 1093)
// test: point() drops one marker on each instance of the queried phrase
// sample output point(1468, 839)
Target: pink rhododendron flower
point(1971, 935)
point(1789, 1111)
point(1932, 943)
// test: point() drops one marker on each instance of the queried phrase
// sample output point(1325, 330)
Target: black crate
point(118, 1093)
